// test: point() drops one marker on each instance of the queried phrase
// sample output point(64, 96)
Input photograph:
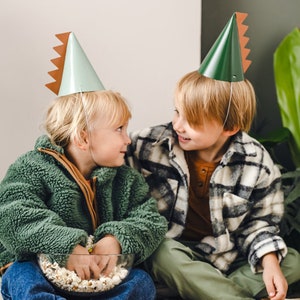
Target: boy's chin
point(185, 147)
point(115, 164)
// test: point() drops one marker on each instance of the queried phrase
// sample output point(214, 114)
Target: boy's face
point(209, 137)
point(108, 144)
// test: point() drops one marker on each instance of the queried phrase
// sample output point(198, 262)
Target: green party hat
point(226, 60)
point(74, 72)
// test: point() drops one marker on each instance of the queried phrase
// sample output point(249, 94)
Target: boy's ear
point(231, 132)
point(82, 141)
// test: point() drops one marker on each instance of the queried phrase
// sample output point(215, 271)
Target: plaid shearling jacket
point(246, 201)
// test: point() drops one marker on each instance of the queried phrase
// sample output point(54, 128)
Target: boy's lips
point(183, 139)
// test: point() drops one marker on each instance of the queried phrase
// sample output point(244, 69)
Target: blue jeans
point(25, 281)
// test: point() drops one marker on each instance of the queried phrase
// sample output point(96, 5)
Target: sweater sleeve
point(27, 225)
point(137, 224)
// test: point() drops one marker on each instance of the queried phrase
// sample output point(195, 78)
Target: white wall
point(139, 48)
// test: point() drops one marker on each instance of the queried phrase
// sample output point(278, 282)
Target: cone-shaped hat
point(226, 60)
point(74, 72)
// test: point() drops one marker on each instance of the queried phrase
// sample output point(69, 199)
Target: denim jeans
point(25, 281)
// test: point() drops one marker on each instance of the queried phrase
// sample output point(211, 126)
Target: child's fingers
point(83, 272)
point(111, 264)
point(276, 291)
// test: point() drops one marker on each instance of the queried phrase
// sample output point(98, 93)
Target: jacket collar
point(241, 144)
point(167, 136)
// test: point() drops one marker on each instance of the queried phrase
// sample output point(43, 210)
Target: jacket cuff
point(275, 244)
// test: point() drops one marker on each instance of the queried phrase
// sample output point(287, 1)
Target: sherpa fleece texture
point(42, 209)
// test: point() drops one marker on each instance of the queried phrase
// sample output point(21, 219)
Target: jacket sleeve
point(27, 225)
point(262, 230)
point(136, 222)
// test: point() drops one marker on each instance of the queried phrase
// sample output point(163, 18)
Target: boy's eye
point(119, 129)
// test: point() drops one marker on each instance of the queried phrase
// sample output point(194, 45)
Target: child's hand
point(107, 245)
point(85, 266)
point(273, 277)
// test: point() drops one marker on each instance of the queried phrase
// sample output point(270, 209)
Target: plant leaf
point(293, 195)
point(275, 137)
point(287, 79)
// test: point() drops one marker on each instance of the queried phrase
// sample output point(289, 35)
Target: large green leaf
point(275, 137)
point(287, 80)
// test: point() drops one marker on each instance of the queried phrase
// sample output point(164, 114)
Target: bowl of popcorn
point(54, 268)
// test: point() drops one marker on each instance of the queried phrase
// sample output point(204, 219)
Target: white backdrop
point(137, 47)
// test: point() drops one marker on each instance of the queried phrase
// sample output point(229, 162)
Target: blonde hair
point(201, 98)
point(69, 116)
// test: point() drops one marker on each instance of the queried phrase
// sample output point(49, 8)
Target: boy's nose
point(127, 140)
point(177, 125)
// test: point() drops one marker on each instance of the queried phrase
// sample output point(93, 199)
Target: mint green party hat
point(226, 60)
point(74, 71)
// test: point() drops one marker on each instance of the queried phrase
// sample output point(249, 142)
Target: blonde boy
point(217, 186)
point(72, 185)
point(220, 192)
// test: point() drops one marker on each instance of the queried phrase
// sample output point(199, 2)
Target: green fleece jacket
point(43, 208)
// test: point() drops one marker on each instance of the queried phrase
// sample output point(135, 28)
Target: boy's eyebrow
point(120, 124)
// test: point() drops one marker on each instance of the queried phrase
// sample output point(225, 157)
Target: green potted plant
point(287, 81)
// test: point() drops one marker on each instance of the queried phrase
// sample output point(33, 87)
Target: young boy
point(218, 189)
point(72, 185)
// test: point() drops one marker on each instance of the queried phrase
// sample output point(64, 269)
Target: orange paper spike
point(58, 62)
point(60, 49)
point(240, 17)
point(63, 37)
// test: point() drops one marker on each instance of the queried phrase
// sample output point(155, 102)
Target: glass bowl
point(53, 267)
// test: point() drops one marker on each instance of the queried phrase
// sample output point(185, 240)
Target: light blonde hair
point(201, 98)
point(70, 115)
